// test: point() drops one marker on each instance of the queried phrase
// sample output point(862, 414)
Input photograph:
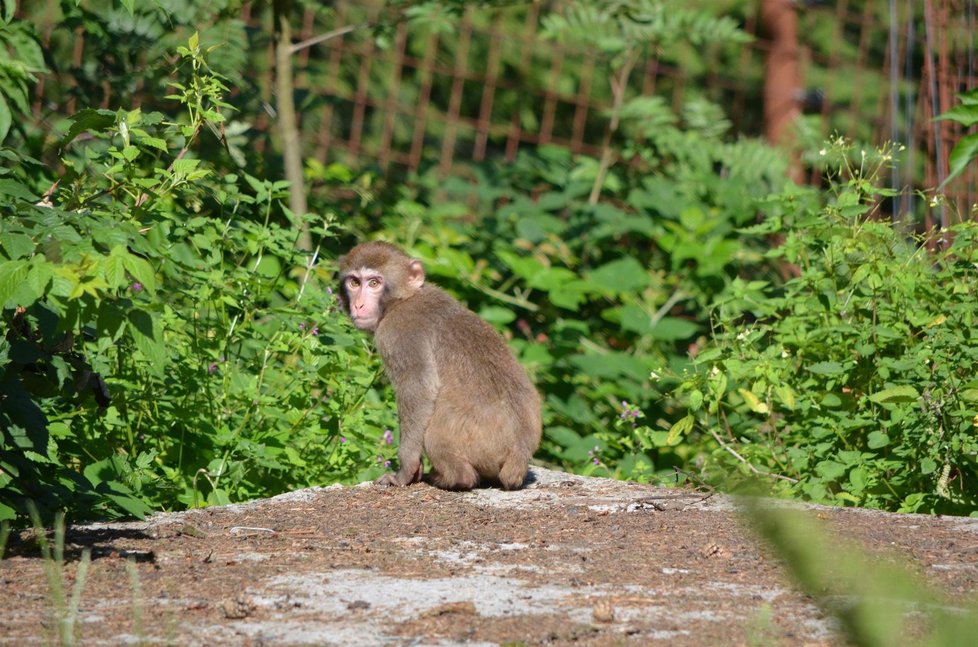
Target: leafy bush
point(163, 344)
point(855, 382)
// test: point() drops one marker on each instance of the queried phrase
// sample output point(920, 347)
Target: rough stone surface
point(567, 560)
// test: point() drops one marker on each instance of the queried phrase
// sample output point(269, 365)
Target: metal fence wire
point(416, 97)
point(872, 71)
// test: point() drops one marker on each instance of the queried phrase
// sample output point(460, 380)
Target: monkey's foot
point(401, 478)
point(388, 480)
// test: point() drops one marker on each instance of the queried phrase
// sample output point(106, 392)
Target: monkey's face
point(364, 292)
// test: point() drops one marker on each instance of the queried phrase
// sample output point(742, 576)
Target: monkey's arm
point(413, 419)
point(415, 380)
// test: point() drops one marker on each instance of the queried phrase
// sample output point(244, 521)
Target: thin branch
point(330, 35)
point(506, 298)
point(676, 297)
point(309, 267)
point(743, 460)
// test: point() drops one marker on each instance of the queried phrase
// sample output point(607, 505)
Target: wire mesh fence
point(412, 96)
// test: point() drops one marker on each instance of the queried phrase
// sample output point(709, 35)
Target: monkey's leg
point(451, 469)
point(453, 473)
point(513, 472)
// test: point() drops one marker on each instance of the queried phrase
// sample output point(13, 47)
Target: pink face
point(364, 289)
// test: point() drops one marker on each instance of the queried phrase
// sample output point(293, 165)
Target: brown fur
point(462, 398)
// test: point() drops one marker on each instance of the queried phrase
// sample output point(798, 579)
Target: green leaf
point(633, 318)
point(148, 339)
point(569, 295)
point(155, 142)
point(674, 329)
point(125, 499)
point(551, 278)
point(927, 465)
point(141, 270)
point(113, 271)
point(17, 245)
point(610, 366)
point(86, 120)
point(185, 165)
point(15, 189)
point(12, 274)
point(827, 368)
point(680, 429)
point(5, 118)
point(40, 275)
point(963, 153)
point(525, 268)
point(786, 395)
point(969, 395)
point(965, 115)
point(753, 402)
point(877, 439)
point(830, 470)
point(622, 275)
point(895, 394)
point(497, 315)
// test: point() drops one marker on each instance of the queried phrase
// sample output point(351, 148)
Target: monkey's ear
point(415, 274)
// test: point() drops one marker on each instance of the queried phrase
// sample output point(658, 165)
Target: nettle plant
point(857, 381)
point(162, 342)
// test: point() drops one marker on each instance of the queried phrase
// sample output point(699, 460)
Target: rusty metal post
point(782, 78)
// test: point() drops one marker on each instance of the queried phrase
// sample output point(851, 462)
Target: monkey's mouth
point(364, 323)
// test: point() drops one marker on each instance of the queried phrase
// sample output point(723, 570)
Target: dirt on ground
point(567, 560)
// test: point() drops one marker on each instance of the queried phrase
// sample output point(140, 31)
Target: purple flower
point(212, 368)
point(388, 437)
point(630, 413)
point(302, 326)
point(342, 440)
point(315, 330)
point(593, 455)
point(137, 287)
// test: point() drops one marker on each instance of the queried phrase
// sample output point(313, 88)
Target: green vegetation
point(887, 604)
point(855, 381)
point(164, 345)
point(63, 623)
point(164, 342)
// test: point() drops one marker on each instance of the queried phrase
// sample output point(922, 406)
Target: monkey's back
point(481, 387)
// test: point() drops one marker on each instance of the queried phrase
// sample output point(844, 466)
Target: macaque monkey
point(462, 398)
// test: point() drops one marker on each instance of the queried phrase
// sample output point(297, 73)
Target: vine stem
point(619, 83)
point(746, 462)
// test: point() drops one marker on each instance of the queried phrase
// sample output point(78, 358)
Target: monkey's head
point(373, 276)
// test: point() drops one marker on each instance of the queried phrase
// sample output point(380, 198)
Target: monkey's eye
point(373, 283)
point(353, 282)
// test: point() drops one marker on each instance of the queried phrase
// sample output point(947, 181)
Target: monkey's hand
point(402, 478)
